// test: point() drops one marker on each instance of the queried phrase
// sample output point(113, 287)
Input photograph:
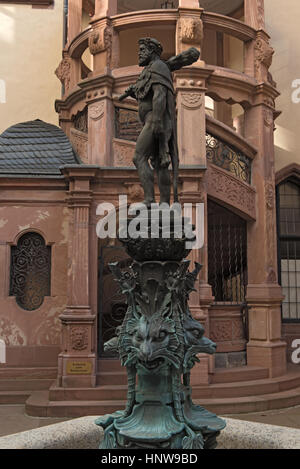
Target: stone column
point(189, 28)
point(257, 52)
point(104, 40)
point(189, 4)
point(77, 361)
point(264, 295)
point(101, 123)
point(74, 19)
point(106, 8)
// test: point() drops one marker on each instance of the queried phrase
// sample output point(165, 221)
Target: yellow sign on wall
point(79, 367)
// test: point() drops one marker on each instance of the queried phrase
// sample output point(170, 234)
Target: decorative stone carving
point(80, 143)
point(100, 40)
point(135, 193)
point(11, 333)
point(220, 331)
point(260, 14)
point(96, 111)
point(190, 30)
point(79, 338)
point(63, 72)
point(269, 118)
point(123, 153)
point(49, 332)
point(271, 276)
point(192, 100)
point(263, 57)
point(225, 187)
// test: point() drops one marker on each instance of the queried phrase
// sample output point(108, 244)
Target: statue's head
point(149, 49)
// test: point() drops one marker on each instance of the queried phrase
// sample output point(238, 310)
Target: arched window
point(30, 271)
point(288, 196)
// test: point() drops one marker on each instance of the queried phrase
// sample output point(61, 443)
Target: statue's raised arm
point(184, 59)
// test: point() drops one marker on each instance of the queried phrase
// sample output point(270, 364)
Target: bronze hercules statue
point(157, 141)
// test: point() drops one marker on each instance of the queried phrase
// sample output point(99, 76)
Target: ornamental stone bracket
point(263, 56)
point(231, 191)
point(63, 71)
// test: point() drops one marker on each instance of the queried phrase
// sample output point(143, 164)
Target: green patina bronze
point(159, 340)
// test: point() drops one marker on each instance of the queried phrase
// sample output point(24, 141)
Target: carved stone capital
point(100, 39)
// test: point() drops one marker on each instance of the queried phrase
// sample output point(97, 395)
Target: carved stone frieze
point(123, 153)
point(192, 100)
point(227, 188)
point(96, 110)
point(221, 330)
point(80, 143)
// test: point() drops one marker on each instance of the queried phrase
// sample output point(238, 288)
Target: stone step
point(100, 393)
point(112, 378)
point(14, 397)
point(38, 404)
point(109, 365)
point(28, 373)
point(244, 373)
point(245, 405)
point(25, 384)
point(247, 388)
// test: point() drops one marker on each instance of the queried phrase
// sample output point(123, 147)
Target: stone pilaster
point(190, 88)
point(264, 296)
point(189, 29)
point(77, 361)
point(74, 19)
point(100, 122)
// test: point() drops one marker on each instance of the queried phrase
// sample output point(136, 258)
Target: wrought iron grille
point(227, 255)
point(30, 271)
point(289, 248)
point(225, 156)
point(112, 303)
point(128, 125)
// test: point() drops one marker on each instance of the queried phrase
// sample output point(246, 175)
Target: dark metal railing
point(227, 255)
point(227, 157)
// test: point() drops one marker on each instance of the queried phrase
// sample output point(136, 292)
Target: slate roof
point(35, 148)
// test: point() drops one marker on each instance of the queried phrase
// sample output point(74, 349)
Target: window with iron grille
point(227, 254)
point(30, 271)
point(288, 206)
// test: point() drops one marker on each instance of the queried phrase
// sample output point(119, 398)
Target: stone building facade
point(57, 311)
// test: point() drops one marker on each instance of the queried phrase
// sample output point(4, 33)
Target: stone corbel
point(100, 39)
point(63, 71)
point(263, 56)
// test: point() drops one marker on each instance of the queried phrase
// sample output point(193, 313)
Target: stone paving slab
point(82, 433)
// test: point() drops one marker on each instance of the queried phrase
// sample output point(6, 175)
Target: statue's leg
point(163, 173)
point(164, 183)
point(144, 149)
